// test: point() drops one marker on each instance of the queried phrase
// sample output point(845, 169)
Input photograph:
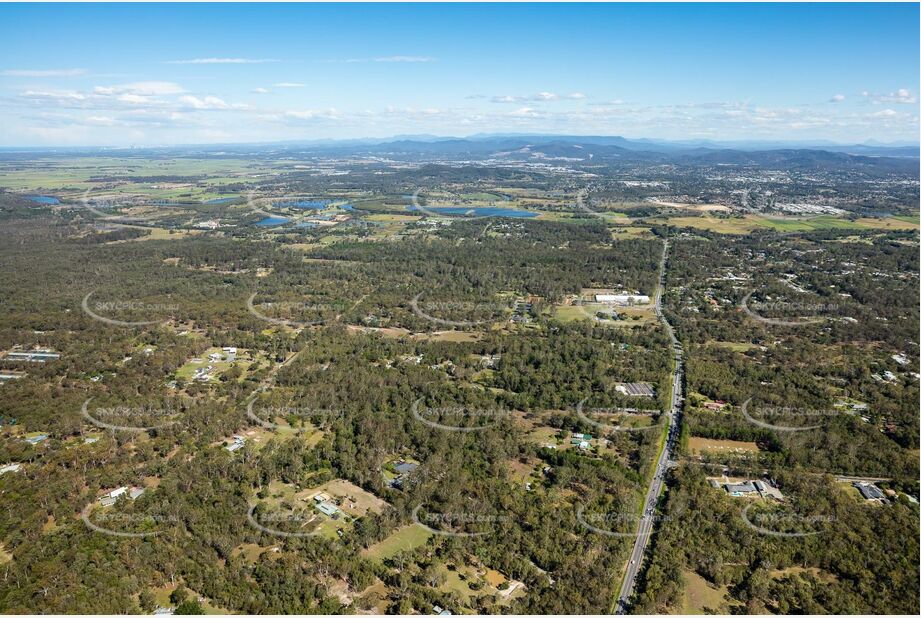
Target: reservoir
point(271, 221)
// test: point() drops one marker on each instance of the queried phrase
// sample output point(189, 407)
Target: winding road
point(647, 520)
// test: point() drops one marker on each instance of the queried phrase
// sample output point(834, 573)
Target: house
point(636, 389)
point(112, 497)
point(13, 467)
point(715, 405)
point(328, 508)
point(402, 468)
point(38, 355)
point(764, 489)
point(405, 467)
point(622, 299)
point(438, 611)
point(740, 489)
point(488, 361)
point(768, 490)
point(869, 491)
point(238, 443)
point(321, 497)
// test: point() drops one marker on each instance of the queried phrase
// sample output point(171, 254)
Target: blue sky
point(199, 73)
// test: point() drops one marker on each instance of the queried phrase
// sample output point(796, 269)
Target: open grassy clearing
point(404, 539)
point(699, 446)
point(748, 223)
point(700, 597)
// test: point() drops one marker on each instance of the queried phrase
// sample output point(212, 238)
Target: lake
point(315, 204)
point(222, 200)
point(43, 199)
point(484, 211)
point(271, 221)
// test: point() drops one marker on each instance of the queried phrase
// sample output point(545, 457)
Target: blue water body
point(271, 221)
point(315, 204)
point(43, 199)
point(306, 224)
point(485, 211)
point(346, 207)
point(221, 200)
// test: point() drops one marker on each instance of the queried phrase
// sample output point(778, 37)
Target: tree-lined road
point(647, 519)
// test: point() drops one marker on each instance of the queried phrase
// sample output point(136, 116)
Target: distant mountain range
point(563, 149)
point(479, 142)
point(613, 150)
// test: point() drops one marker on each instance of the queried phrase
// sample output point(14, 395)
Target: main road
point(673, 419)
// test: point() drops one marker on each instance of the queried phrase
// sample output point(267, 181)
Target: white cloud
point(141, 88)
point(885, 113)
point(837, 98)
point(223, 61)
point(102, 121)
point(65, 95)
point(525, 112)
point(311, 114)
point(43, 72)
point(134, 99)
point(289, 85)
point(902, 95)
point(208, 102)
point(260, 90)
point(543, 96)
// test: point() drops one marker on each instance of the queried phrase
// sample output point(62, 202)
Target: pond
point(485, 211)
point(43, 199)
point(222, 200)
point(315, 204)
point(271, 221)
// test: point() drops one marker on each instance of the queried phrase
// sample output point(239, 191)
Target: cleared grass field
point(701, 445)
point(748, 223)
point(406, 538)
point(702, 598)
